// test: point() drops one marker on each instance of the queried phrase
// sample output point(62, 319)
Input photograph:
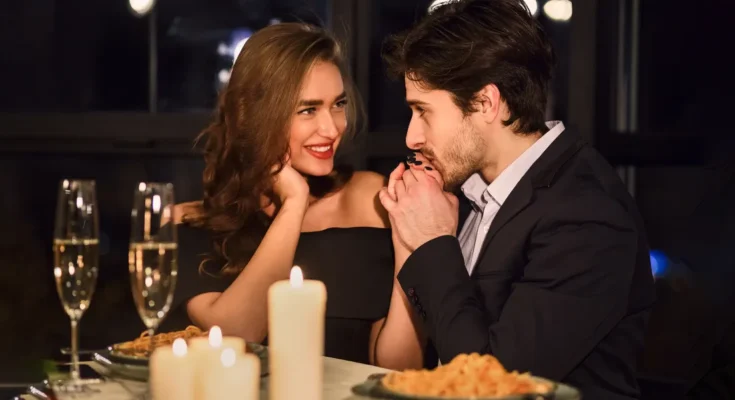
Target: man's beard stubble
point(461, 159)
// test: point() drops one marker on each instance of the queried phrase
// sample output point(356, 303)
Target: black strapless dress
point(355, 264)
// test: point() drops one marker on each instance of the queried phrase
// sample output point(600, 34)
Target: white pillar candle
point(232, 376)
point(172, 372)
point(214, 342)
point(207, 351)
point(296, 311)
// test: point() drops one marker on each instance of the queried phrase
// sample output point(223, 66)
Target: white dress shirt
point(487, 199)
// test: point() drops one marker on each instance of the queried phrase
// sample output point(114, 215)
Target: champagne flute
point(152, 256)
point(76, 257)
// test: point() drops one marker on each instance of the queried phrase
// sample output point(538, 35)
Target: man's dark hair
point(464, 45)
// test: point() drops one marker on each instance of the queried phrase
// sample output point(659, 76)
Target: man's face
point(450, 140)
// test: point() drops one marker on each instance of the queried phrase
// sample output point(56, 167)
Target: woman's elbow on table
point(204, 312)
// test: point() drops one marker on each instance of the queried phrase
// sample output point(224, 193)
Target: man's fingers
point(387, 200)
point(436, 176)
point(397, 173)
point(400, 189)
point(420, 175)
point(395, 176)
point(391, 190)
point(409, 177)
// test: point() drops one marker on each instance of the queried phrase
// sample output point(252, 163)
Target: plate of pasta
point(467, 376)
point(130, 359)
point(136, 351)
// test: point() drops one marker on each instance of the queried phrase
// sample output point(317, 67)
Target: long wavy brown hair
point(249, 136)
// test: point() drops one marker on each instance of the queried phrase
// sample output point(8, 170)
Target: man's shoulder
point(583, 208)
point(587, 176)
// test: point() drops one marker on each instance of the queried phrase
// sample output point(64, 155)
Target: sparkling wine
point(152, 268)
point(75, 271)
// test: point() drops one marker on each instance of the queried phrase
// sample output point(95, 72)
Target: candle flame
point(179, 347)
point(156, 204)
point(297, 277)
point(215, 336)
point(228, 357)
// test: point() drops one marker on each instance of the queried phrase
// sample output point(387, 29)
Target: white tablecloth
point(339, 377)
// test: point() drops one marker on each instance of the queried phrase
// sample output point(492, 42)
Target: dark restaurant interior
point(89, 89)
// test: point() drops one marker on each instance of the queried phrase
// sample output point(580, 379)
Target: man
point(550, 272)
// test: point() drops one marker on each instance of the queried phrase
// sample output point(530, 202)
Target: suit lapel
point(518, 200)
point(541, 174)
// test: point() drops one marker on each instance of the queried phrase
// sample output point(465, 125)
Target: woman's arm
point(241, 310)
point(396, 341)
point(399, 340)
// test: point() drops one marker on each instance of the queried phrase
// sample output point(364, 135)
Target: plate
point(136, 367)
point(373, 387)
point(122, 358)
point(123, 370)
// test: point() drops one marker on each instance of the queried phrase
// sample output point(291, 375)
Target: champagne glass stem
point(75, 376)
point(151, 332)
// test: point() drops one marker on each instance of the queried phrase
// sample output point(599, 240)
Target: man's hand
point(418, 207)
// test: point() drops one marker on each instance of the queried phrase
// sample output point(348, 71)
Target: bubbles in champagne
point(152, 269)
point(75, 272)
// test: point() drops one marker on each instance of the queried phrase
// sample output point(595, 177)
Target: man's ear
point(487, 102)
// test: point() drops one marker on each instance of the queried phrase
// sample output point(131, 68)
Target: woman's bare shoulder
point(361, 195)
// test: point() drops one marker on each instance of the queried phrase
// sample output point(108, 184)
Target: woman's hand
point(290, 186)
point(418, 161)
point(402, 252)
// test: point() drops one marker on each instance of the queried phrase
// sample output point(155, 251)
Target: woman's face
point(319, 120)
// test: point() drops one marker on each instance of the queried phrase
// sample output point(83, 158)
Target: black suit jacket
point(562, 287)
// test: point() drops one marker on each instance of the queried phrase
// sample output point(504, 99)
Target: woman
point(273, 199)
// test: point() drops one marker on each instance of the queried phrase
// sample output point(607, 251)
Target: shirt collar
point(479, 193)
point(474, 188)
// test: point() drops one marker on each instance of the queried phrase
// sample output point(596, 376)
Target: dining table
point(339, 378)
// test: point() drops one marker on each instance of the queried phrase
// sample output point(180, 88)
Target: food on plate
point(467, 375)
point(140, 346)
